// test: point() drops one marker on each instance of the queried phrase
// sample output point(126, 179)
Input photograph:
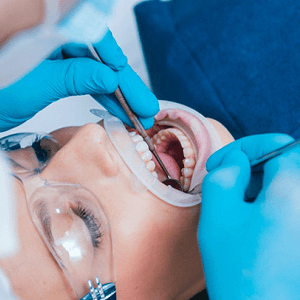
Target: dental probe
point(139, 128)
point(257, 164)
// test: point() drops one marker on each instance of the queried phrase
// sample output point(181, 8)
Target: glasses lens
point(76, 230)
point(29, 151)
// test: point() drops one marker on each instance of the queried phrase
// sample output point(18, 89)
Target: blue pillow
point(235, 61)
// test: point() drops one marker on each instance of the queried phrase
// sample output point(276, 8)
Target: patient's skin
point(155, 244)
point(18, 15)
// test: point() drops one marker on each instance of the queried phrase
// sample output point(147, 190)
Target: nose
point(89, 153)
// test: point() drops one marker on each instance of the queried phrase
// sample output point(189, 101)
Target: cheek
point(224, 134)
point(139, 254)
point(143, 250)
point(33, 270)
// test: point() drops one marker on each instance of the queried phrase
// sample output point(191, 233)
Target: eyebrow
point(43, 213)
point(16, 177)
point(14, 164)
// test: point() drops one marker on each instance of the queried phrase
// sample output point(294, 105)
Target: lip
point(197, 128)
point(192, 127)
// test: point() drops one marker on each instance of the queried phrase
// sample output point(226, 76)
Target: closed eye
point(91, 222)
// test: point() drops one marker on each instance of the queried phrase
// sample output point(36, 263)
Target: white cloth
point(5, 288)
point(8, 226)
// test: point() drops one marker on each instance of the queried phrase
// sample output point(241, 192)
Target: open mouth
point(182, 142)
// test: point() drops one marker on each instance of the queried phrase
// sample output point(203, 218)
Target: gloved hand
point(71, 71)
point(251, 250)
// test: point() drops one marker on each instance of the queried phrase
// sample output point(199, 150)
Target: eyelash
point(91, 223)
point(86, 215)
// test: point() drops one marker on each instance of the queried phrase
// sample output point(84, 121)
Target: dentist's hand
point(251, 250)
point(71, 71)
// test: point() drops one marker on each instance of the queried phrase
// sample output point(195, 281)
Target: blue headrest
point(235, 61)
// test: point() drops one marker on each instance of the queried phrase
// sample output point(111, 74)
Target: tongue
point(170, 164)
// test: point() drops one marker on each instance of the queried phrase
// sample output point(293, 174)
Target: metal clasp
point(100, 292)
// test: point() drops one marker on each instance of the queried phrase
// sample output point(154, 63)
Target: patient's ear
point(224, 134)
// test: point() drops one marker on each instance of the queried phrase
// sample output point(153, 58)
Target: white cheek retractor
point(142, 178)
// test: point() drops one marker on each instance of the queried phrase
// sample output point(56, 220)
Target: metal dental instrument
point(257, 164)
point(140, 129)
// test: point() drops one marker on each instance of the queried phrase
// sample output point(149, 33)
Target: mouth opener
point(140, 129)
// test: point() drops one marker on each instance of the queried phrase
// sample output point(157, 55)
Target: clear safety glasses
point(69, 218)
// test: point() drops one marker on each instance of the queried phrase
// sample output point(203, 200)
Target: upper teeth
point(143, 150)
point(188, 152)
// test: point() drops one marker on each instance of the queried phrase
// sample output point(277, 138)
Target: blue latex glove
point(251, 250)
point(71, 71)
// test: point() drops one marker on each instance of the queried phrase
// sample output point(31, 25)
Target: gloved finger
point(285, 165)
point(56, 54)
point(80, 76)
point(254, 186)
point(223, 188)
point(71, 50)
point(110, 52)
point(254, 146)
point(141, 100)
point(111, 103)
point(281, 188)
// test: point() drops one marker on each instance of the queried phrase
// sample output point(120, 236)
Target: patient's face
point(155, 244)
